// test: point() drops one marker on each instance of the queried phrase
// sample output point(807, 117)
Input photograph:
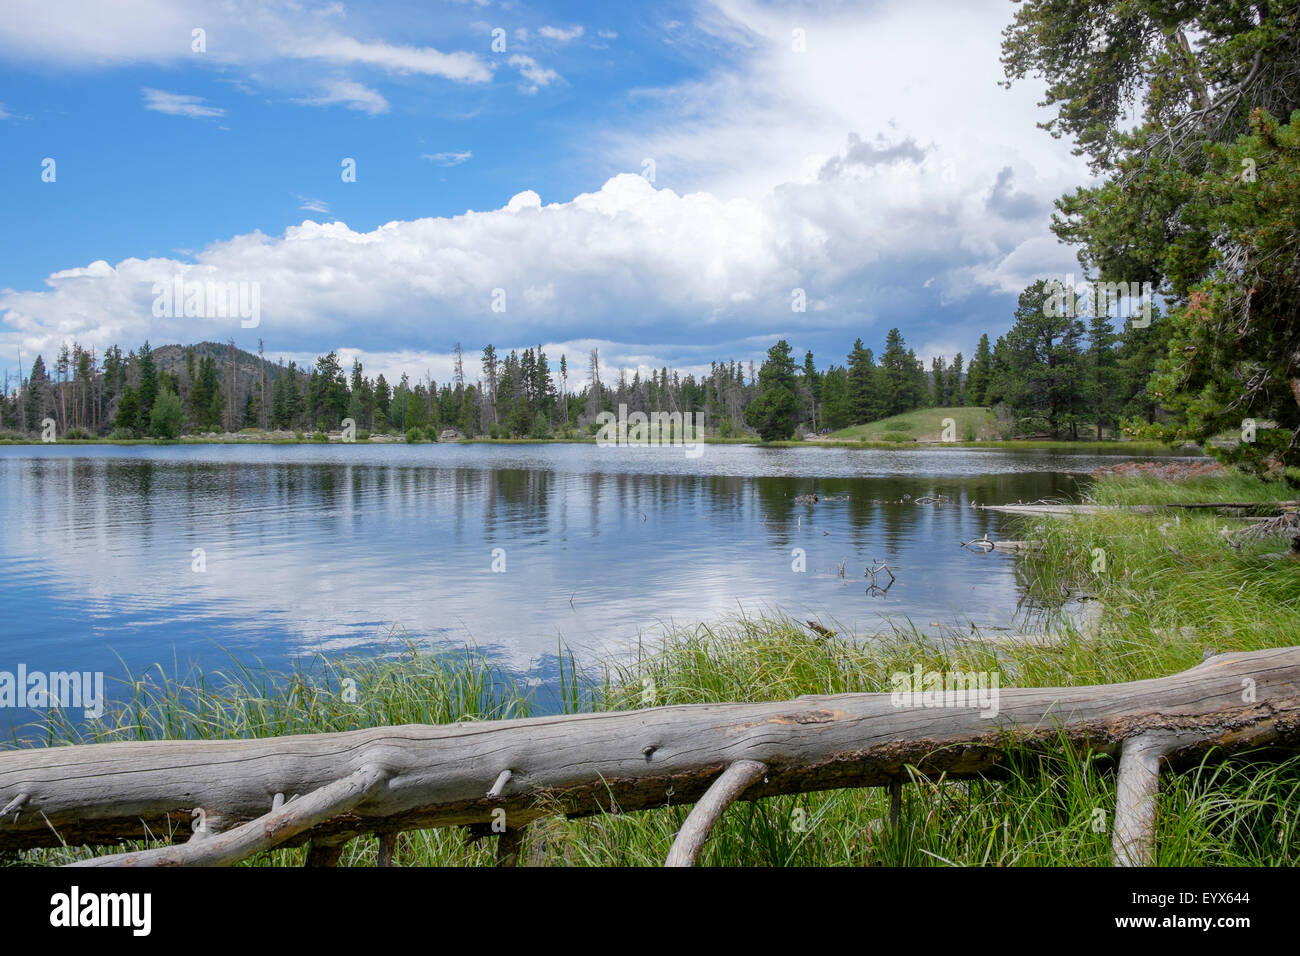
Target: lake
point(116, 558)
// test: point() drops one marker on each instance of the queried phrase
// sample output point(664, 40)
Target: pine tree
point(863, 388)
point(1042, 381)
point(981, 369)
point(772, 413)
point(38, 395)
point(897, 375)
point(1102, 381)
point(148, 386)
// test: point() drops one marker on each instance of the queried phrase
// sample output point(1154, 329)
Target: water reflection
point(309, 548)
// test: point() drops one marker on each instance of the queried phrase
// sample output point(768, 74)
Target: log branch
point(508, 845)
point(387, 849)
point(731, 783)
point(1133, 842)
point(261, 834)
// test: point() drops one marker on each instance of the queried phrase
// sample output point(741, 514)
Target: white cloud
point(536, 75)
point(461, 67)
point(448, 159)
point(354, 96)
point(313, 205)
point(178, 104)
point(4, 113)
point(607, 34)
point(561, 34)
point(694, 267)
point(284, 45)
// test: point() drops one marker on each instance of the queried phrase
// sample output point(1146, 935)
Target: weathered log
point(434, 776)
point(1091, 509)
point(1235, 505)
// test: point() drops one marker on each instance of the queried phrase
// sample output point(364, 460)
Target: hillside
point(171, 358)
point(923, 425)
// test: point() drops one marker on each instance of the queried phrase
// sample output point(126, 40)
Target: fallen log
point(1065, 510)
point(384, 780)
point(1233, 505)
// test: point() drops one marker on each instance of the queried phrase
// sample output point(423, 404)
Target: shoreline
point(1081, 446)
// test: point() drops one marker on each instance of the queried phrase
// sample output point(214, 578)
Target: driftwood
point(384, 780)
point(985, 545)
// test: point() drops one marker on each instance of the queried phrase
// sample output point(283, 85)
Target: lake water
point(339, 548)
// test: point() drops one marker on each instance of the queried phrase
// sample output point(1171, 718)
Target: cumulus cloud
point(178, 104)
point(648, 262)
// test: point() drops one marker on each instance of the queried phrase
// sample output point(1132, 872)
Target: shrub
point(494, 432)
point(166, 415)
point(363, 435)
point(320, 436)
point(414, 435)
point(896, 437)
point(541, 427)
point(121, 434)
point(77, 434)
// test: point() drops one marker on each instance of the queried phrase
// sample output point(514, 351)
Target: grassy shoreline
point(1169, 589)
point(1077, 447)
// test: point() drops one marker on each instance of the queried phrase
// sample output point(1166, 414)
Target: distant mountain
point(171, 358)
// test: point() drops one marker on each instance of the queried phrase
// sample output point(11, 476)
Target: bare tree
point(261, 368)
point(230, 405)
point(593, 394)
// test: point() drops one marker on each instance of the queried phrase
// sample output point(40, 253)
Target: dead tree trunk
point(389, 779)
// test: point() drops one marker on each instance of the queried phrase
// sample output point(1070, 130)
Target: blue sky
point(860, 152)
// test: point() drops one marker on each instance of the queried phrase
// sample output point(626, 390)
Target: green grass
point(1064, 447)
point(1228, 487)
point(924, 425)
point(1170, 588)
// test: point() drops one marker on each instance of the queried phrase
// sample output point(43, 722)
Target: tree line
point(1051, 375)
